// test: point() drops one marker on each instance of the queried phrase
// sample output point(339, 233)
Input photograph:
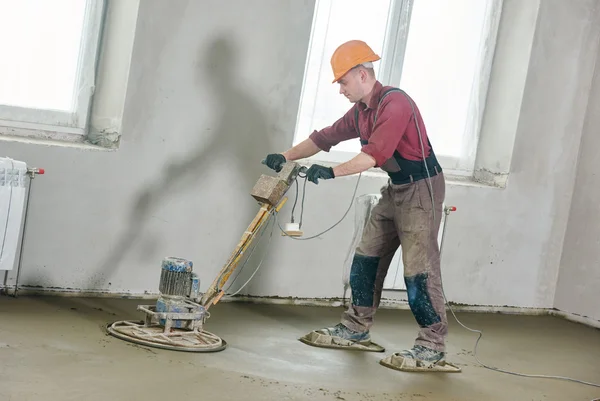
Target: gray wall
point(211, 93)
point(578, 289)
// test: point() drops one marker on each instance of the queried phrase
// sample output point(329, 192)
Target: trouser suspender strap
point(404, 170)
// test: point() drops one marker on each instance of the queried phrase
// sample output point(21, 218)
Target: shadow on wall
point(239, 141)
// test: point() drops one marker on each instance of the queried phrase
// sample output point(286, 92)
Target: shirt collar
point(374, 101)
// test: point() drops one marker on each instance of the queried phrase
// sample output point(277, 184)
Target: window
point(47, 74)
point(438, 51)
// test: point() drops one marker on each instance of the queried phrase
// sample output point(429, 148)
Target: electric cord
point(498, 369)
point(295, 202)
point(292, 220)
point(250, 256)
point(430, 187)
point(274, 215)
point(330, 228)
point(232, 281)
point(444, 294)
point(240, 251)
point(508, 371)
point(303, 197)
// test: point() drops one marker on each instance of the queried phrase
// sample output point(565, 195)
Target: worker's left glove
point(316, 171)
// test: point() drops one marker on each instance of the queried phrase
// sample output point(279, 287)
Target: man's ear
point(364, 75)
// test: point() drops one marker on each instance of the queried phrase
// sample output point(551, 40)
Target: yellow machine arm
point(269, 192)
point(215, 291)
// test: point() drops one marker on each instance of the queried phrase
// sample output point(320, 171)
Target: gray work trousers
point(403, 217)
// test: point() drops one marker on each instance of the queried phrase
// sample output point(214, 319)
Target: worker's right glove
point(275, 161)
point(316, 172)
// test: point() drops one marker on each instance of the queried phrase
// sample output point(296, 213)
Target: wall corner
point(112, 76)
point(508, 78)
point(490, 178)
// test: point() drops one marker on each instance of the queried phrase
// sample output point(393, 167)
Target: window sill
point(53, 139)
point(452, 178)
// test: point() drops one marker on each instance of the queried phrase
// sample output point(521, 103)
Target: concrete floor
point(54, 348)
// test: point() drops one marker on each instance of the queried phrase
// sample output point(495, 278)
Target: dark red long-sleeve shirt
point(394, 130)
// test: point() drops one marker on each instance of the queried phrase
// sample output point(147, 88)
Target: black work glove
point(316, 171)
point(275, 161)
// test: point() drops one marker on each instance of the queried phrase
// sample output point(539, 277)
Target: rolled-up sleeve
point(394, 116)
point(342, 130)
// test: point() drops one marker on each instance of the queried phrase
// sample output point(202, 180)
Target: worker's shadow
point(235, 145)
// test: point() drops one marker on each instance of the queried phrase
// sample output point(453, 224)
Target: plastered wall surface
point(578, 289)
point(210, 94)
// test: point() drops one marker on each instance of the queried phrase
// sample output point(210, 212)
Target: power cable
point(430, 187)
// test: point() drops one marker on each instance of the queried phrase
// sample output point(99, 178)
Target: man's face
point(351, 85)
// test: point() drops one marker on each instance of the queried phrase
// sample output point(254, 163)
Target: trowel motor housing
point(177, 283)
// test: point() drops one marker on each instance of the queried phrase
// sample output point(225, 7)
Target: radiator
point(13, 194)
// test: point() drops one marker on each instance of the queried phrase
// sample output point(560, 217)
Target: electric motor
point(175, 277)
point(177, 284)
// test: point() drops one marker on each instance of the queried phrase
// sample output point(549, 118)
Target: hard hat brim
point(372, 58)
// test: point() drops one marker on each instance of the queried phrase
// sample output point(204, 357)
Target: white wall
point(210, 94)
point(578, 289)
point(503, 245)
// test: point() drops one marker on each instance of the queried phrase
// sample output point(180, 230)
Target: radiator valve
point(33, 171)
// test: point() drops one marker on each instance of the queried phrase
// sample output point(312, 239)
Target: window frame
point(55, 121)
point(394, 51)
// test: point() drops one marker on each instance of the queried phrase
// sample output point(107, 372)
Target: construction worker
point(394, 138)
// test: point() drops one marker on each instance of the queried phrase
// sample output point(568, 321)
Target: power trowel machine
point(176, 320)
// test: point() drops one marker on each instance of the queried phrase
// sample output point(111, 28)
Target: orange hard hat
point(350, 54)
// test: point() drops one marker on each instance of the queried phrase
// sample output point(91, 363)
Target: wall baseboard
point(386, 303)
point(574, 317)
point(75, 293)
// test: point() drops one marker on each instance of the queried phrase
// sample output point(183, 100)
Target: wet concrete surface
point(54, 348)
